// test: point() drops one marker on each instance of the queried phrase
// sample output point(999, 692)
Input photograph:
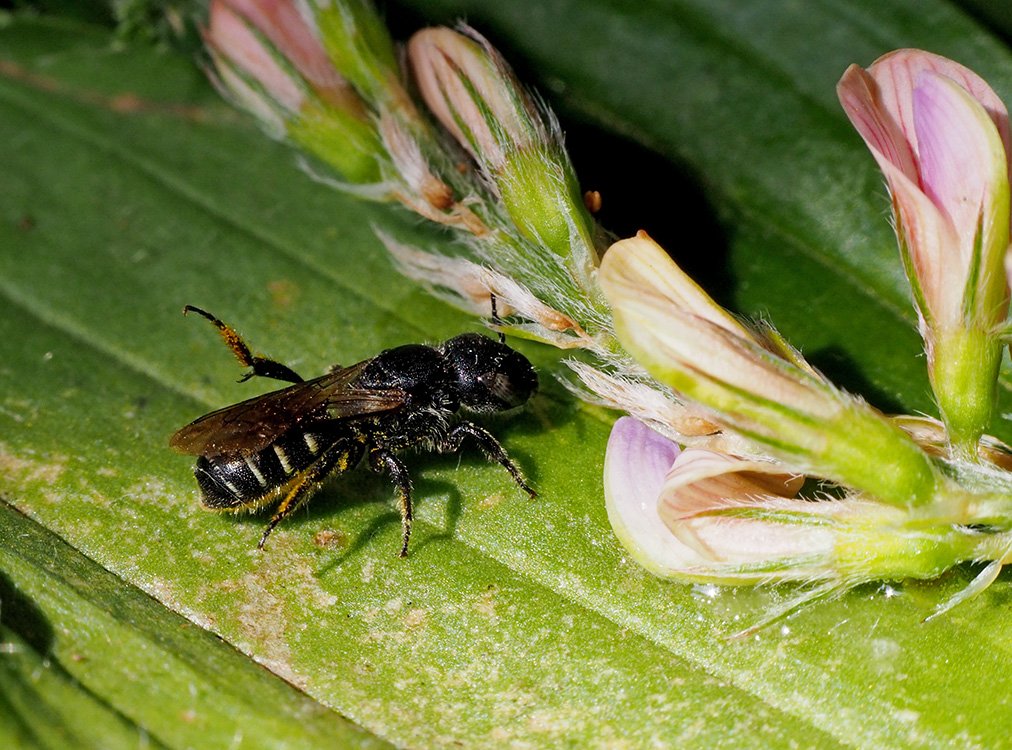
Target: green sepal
point(360, 47)
point(345, 142)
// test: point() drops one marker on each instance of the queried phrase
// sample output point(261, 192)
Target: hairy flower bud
point(474, 94)
point(269, 59)
point(941, 137)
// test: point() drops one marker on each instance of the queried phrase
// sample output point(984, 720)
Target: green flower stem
point(964, 377)
point(868, 453)
point(886, 552)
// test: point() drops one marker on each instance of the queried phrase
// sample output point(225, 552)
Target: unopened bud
point(269, 59)
point(474, 94)
point(941, 137)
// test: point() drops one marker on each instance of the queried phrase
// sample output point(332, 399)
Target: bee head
point(490, 375)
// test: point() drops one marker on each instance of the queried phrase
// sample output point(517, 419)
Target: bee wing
point(252, 425)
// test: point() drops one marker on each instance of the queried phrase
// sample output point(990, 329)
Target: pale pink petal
point(282, 23)
point(234, 87)
point(776, 538)
point(862, 101)
point(465, 83)
point(796, 549)
point(962, 162)
point(702, 482)
point(898, 72)
point(931, 240)
point(229, 35)
point(671, 342)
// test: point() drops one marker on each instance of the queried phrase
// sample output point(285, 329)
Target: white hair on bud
point(643, 398)
point(456, 280)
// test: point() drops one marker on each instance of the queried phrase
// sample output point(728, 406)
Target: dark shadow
point(640, 188)
point(22, 615)
point(99, 14)
point(360, 542)
point(425, 490)
point(845, 373)
point(992, 14)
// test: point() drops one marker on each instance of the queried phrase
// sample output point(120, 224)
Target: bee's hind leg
point(262, 366)
point(300, 488)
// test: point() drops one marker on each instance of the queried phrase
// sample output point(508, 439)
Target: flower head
point(707, 517)
point(753, 383)
point(268, 57)
point(941, 137)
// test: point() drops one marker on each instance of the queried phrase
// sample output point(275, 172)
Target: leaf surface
point(129, 190)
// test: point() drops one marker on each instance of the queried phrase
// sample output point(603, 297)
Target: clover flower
point(889, 501)
point(941, 137)
point(749, 466)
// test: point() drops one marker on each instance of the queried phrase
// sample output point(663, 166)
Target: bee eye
point(498, 385)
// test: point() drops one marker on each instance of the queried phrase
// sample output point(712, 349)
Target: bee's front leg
point(491, 447)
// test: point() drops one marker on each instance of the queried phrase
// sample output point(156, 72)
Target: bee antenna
point(496, 320)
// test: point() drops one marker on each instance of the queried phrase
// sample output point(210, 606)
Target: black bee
point(281, 446)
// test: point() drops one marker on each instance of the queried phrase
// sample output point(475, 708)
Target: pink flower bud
point(941, 137)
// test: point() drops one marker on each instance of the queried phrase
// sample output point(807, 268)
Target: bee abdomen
point(233, 481)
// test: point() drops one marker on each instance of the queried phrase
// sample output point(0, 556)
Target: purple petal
point(643, 456)
point(960, 158)
point(635, 466)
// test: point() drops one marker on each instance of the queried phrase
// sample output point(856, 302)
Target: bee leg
point(296, 496)
point(491, 447)
point(262, 366)
point(339, 458)
point(380, 459)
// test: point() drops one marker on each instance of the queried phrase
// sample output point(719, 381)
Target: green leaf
point(67, 684)
point(128, 190)
point(43, 707)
